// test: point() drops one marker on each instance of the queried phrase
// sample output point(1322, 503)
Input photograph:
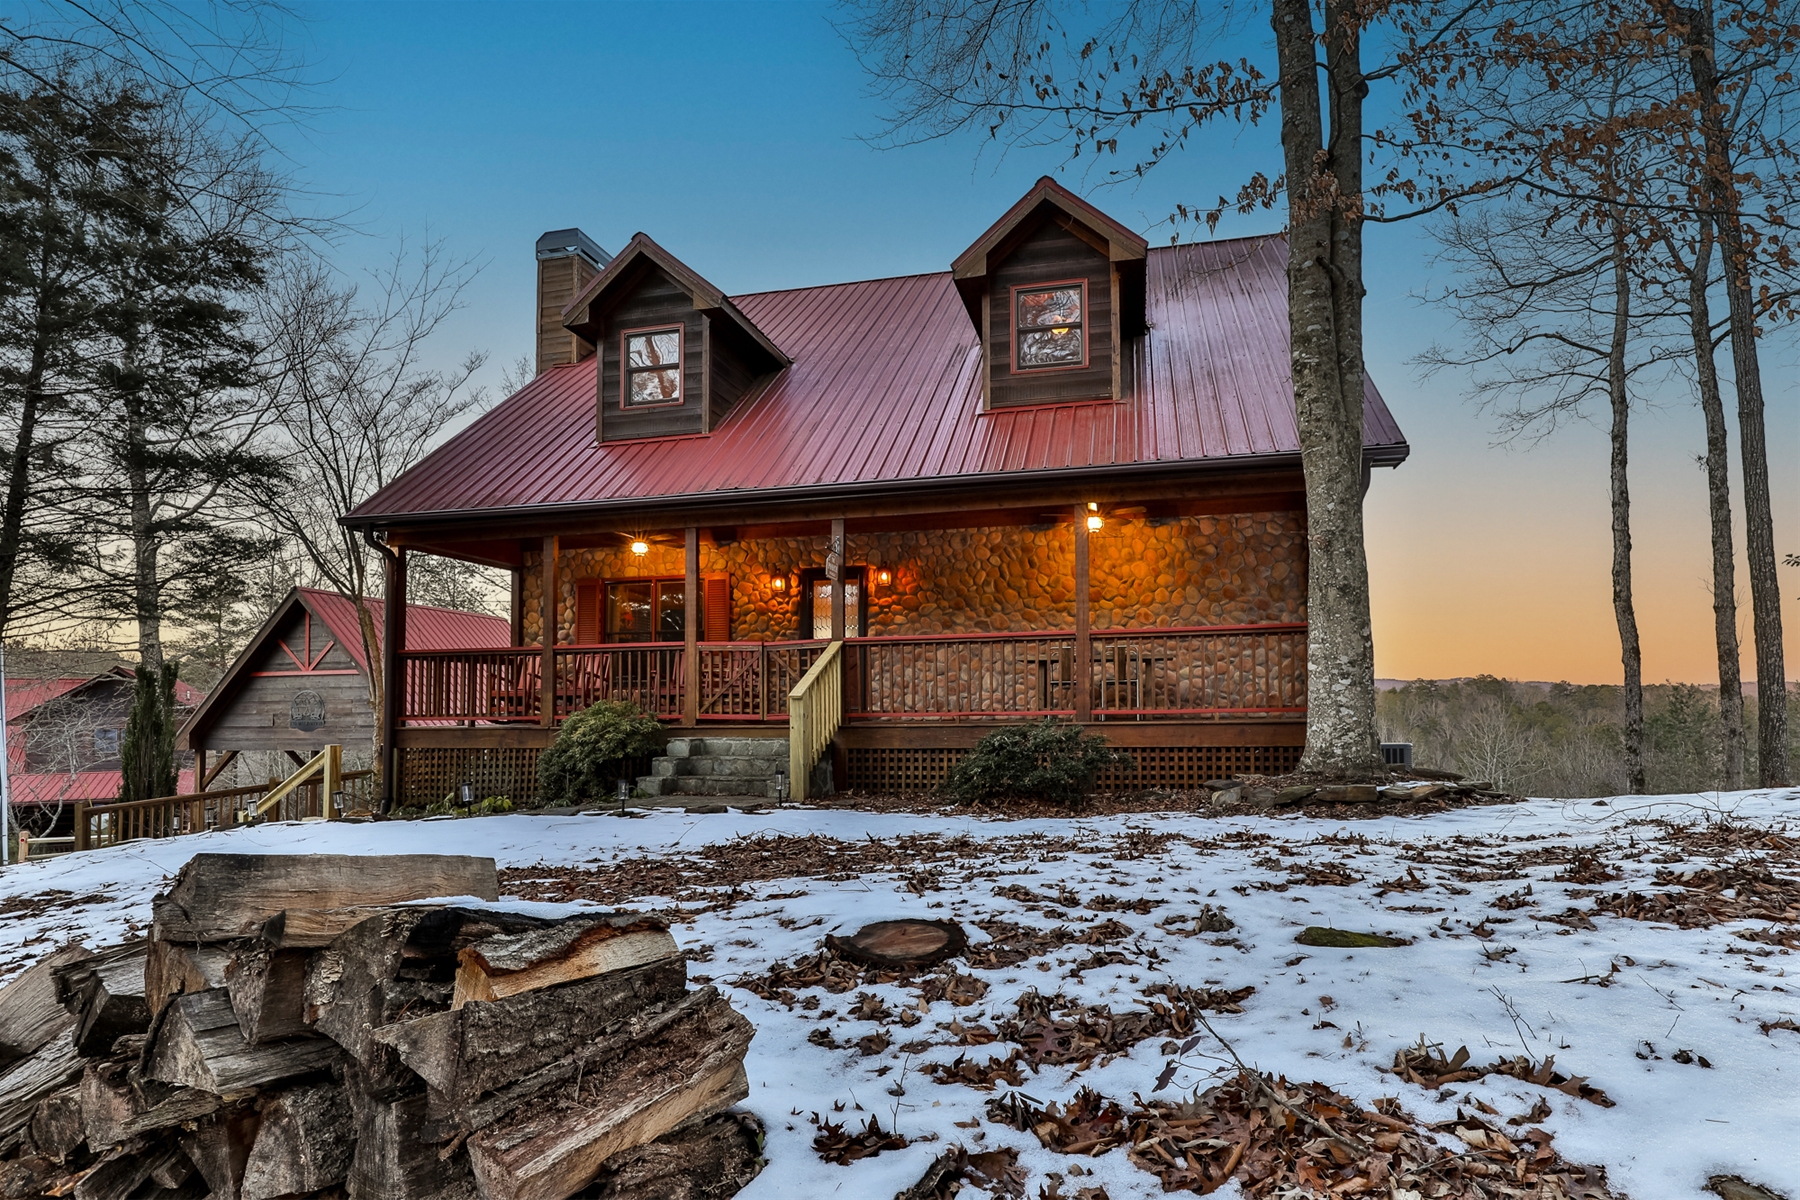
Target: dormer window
point(652, 367)
point(1049, 326)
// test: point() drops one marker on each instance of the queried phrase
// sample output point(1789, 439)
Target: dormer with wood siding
point(673, 354)
point(1056, 289)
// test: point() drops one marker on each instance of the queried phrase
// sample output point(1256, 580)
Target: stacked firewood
point(300, 1026)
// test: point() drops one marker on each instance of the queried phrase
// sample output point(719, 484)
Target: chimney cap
point(560, 243)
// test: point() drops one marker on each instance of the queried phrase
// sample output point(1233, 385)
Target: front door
point(818, 607)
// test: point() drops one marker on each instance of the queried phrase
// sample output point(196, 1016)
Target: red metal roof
point(885, 387)
point(60, 787)
point(427, 626)
point(23, 695)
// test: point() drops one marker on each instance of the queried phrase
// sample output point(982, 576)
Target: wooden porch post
point(393, 683)
point(1084, 655)
point(690, 632)
point(547, 626)
point(518, 606)
point(837, 580)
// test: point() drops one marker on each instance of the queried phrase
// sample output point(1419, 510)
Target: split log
point(268, 992)
point(394, 1162)
point(553, 1147)
point(468, 1052)
point(172, 970)
point(507, 964)
point(305, 1143)
point(105, 995)
point(219, 1148)
point(311, 928)
point(123, 1171)
point(29, 1177)
point(118, 1103)
point(707, 1160)
point(30, 1014)
point(354, 987)
point(221, 897)
point(56, 1128)
point(450, 1121)
point(198, 1044)
point(29, 1083)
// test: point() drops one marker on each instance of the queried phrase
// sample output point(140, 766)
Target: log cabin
point(880, 518)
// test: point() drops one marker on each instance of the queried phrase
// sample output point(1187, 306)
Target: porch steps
point(717, 766)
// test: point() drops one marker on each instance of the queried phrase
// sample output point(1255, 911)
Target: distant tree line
point(1563, 739)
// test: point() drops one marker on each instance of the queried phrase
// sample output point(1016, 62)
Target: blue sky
point(733, 134)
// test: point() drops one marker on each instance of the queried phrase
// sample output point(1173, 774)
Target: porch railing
point(113, 822)
point(1217, 670)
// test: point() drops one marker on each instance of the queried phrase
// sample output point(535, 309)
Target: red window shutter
point(587, 613)
point(716, 625)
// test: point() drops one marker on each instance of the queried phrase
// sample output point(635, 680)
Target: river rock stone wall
point(1239, 569)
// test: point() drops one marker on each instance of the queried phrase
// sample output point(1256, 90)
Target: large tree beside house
point(1063, 477)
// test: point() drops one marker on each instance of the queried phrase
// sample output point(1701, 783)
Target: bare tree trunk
point(1759, 526)
point(1325, 325)
point(1718, 498)
point(18, 483)
point(1630, 651)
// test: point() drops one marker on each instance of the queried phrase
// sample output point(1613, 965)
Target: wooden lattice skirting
point(916, 769)
point(429, 774)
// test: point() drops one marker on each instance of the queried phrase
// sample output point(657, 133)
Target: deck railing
point(472, 685)
point(750, 681)
point(113, 822)
point(1217, 670)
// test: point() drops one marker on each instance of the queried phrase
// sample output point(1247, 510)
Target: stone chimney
point(566, 260)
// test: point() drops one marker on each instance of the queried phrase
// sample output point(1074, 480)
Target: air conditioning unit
point(1397, 754)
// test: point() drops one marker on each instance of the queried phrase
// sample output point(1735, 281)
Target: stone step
point(726, 747)
point(716, 785)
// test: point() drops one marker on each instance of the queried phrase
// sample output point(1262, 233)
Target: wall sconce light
point(778, 583)
point(640, 547)
point(884, 577)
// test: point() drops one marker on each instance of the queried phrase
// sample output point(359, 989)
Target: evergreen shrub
point(1050, 760)
point(583, 763)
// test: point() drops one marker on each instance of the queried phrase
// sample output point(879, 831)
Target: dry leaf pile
point(1277, 1139)
point(996, 1172)
point(1755, 894)
point(836, 1144)
point(1426, 1066)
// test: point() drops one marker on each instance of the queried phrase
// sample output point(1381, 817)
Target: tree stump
point(905, 945)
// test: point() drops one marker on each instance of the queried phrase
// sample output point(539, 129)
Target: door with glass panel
point(818, 616)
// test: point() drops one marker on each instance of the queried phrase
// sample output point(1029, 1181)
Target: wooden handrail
point(328, 762)
point(815, 710)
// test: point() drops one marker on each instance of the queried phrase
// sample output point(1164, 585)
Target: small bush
point(583, 762)
point(1049, 761)
point(497, 804)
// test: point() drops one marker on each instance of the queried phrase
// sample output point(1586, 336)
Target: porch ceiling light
point(1095, 521)
point(640, 547)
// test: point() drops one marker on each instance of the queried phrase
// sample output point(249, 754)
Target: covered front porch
point(1179, 633)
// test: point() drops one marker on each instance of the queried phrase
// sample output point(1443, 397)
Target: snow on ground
point(1697, 990)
